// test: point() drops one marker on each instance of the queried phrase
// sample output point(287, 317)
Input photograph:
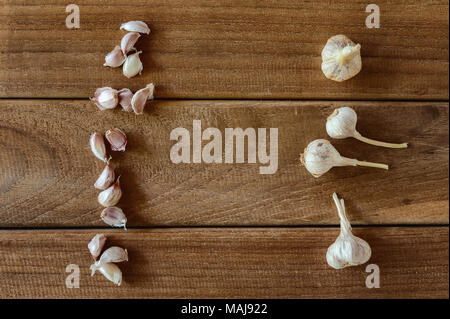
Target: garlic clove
point(320, 156)
point(96, 244)
point(128, 41)
point(347, 250)
point(111, 272)
point(125, 96)
point(106, 178)
point(105, 98)
point(115, 58)
point(117, 139)
point(135, 26)
point(341, 58)
point(114, 216)
point(141, 97)
point(110, 196)
point(98, 147)
point(342, 124)
point(114, 255)
point(133, 65)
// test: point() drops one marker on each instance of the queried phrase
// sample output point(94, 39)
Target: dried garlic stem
point(358, 136)
point(354, 162)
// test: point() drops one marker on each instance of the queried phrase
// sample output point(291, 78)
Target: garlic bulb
point(114, 255)
point(320, 156)
point(125, 96)
point(105, 98)
point(128, 41)
point(117, 138)
point(109, 270)
point(98, 147)
point(132, 65)
point(135, 26)
point(342, 124)
point(141, 97)
point(96, 244)
point(110, 196)
point(115, 58)
point(341, 58)
point(347, 250)
point(114, 216)
point(106, 178)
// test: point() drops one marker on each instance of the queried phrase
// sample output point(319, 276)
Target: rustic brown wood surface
point(48, 169)
point(226, 263)
point(226, 49)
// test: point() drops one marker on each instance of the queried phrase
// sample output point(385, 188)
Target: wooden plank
point(48, 169)
point(226, 263)
point(226, 49)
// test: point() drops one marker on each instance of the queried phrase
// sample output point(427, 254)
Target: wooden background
point(224, 230)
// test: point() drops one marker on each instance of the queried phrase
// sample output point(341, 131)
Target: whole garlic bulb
point(347, 250)
point(342, 124)
point(341, 58)
point(320, 156)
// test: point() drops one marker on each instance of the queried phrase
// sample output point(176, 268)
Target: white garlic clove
point(98, 147)
point(115, 58)
point(341, 58)
point(114, 255)
point(125, 96)
point(96, 244)
point(110, 196)
point(133, 65)
point(109, 270)
point(347, 250)
point(105, 98)
point(117, 139)
point(106, 178)
point(342, 124)
point(320, 156)
point(141, 97)
point(135, 26)
point(114, 216)
point(128, 41)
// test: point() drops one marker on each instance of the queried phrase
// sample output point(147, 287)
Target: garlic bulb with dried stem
point(109, 270)
point(96, 244)
point(342, 124)
point(320, 156)
point(98, 147)
point(133, 65)
point(347, 250)
point(110, 196)
point(341, 58)
point(114, 216)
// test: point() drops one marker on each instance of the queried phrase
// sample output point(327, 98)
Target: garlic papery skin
point(342, 124)
point(320, 156)
point(114, 216)
point(105, 98)
point(96, 244)
point(141, 97)
point(114, 255)
point(133, 65)
point(110, 196)
point(135, 26)
point(117, 139)
point(347, 250)
point(341, 58)
point(98, 147)
point(125, 96)
point(115, 58)
point(106, 178)
point(109, 270)
point(128, 41)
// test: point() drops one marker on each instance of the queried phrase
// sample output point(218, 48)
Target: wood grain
point(48, 169)
point(226, 263)
point(226, 49)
